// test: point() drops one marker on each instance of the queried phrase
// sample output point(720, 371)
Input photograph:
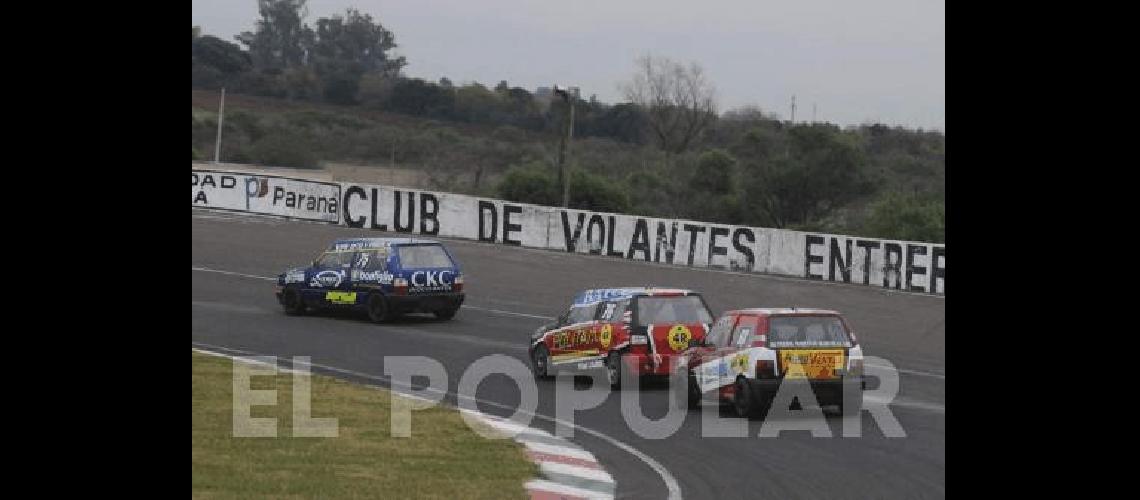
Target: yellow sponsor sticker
point(812, 363)
point(739, 362)
point(341, 297)
point(606, 336)
point(679, 337)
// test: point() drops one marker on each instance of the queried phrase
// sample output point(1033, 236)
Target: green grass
point(442, 459)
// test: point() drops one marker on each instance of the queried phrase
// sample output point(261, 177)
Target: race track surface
point(509, 293)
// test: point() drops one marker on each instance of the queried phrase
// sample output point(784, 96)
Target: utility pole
point(813, 113)
point(221, 116)
point(569, 95)
point(793, 109)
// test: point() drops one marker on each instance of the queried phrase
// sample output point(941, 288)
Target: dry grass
point(442, 459)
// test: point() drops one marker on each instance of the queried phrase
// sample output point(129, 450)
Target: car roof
point(351, 243)
point(783, 311)
point(595, 295)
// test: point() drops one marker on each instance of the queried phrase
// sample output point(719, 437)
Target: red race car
point(637, 330)
point(750, 352)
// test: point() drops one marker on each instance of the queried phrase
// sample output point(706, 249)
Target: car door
point(711, 369)
point(570, 342)
point(330, 278)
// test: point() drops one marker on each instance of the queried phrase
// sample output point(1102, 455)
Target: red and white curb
point(567, 471)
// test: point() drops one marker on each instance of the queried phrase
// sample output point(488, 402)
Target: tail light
point(855, 368)
point(760, 341)
point(765, 368)
point(400, 286)
point(458, 285)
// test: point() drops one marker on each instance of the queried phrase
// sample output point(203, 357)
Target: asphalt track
point(511, 291)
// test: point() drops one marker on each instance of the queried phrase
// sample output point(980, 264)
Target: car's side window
point(718, 336)
point(581, 314)
point(612, 311)
point(371, 260)
point(335, 260)
point(743, 332)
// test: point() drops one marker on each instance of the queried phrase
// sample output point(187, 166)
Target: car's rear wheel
point(291, 301)
point(540, 361)
point(744, 399)
point(446, 314)
point(377, 308)
point(614, 370)
point(694, 392)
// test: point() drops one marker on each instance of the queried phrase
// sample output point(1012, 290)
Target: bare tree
point(677, 99)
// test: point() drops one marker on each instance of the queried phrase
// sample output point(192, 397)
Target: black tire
point(377, 308)
point(445, 314)
point(540, 362)
point(694, 393)
point(744, 401)
point(614, 370)
point(291, 301)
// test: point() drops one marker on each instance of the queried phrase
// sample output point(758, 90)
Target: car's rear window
point(423, 256)
point(806, 331)
point(679, 309)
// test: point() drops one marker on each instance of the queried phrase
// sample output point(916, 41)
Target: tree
point(226, 57)
point(678, 101)
point(821, 171)
point(281, 39)
point(715, 172)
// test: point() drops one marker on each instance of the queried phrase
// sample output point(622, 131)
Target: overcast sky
point(857, 61)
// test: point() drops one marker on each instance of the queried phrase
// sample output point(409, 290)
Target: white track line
point(551, 449)
point(576, 471)
point(561, 489)
point(775, 277)
point(267, 278)
point(671, 484)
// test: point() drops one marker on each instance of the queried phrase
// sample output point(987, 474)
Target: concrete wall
point(900, 265)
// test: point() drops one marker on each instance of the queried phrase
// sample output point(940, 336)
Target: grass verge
point(442, 459)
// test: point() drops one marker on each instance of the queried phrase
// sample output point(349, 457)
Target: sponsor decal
point(327, 279)
point(341, 297)
point(432, 281)
point(739, 363)
point(295, 276)
point(679, 337)
point(382, 277)
point(589, 365)
point(606, 336)
point(815, 364)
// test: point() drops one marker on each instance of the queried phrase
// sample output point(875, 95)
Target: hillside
point(745, 169)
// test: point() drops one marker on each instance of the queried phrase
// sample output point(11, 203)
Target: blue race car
point(384, 276)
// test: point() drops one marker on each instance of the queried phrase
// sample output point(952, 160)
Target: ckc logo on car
point(430, 278)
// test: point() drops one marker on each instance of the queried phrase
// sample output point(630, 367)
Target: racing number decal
point(679, 337)
point(341, 297)
point(606, 336)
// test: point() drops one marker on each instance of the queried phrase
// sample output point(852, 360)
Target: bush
point(531, 183)
point(907, 217)
point(283, 149)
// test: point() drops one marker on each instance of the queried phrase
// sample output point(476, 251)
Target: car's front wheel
point(540, 362)
point(291, 301)
point(377, 308)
